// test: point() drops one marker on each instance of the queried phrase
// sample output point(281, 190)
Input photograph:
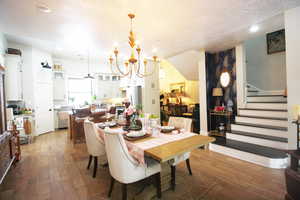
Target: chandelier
point(134, 64)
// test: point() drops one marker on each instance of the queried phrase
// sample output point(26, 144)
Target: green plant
point(139, 107)
point(153, 116)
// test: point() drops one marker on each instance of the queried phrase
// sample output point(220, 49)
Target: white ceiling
point(173, 26)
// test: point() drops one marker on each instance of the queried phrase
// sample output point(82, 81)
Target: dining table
point(163, 148)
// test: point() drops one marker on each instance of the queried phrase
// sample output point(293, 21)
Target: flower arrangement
point(129, 111)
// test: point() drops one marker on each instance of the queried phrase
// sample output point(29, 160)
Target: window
point(79, 91)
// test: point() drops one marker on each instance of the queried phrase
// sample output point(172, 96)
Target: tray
point(136, 138)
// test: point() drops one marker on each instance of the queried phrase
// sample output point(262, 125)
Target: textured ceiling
point(173, 26)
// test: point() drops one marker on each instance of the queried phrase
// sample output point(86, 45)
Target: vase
point(128, 117)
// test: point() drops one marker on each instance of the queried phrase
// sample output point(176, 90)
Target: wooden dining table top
point(170, 150)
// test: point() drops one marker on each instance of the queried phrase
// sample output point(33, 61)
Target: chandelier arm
point(138, 72)
point(112, 71)
point(148, 74)
point(120, 71)
point(139, 65)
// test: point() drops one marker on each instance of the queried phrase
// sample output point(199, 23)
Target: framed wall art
point(276, 41)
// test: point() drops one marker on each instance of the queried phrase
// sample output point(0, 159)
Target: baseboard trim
point(250, 157)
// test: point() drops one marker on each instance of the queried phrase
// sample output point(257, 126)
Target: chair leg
point(173, 177)
point(189, 166)
point(158, 185)
point(90, 160)
point(95, 166)
point(111, 186)
point(124, 191)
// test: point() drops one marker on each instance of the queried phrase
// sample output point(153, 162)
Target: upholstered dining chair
point(95, 145)
point(186, 124)
point(123, 167)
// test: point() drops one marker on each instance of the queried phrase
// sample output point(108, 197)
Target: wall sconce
point(225, 78)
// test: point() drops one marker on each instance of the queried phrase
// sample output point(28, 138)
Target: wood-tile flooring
point(53, 169)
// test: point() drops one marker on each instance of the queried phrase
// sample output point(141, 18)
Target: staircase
point(259, 133)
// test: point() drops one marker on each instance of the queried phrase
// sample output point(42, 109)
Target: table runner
point(136, 149)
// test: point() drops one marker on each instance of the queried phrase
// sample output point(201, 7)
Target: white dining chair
point(123, 167)
point(95, 145)
point(186, 124)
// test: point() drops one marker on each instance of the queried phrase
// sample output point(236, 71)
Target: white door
point(44, 108)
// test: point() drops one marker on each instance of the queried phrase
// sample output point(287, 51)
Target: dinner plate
point(168, 128)
point(136, 134)
point(101, 125)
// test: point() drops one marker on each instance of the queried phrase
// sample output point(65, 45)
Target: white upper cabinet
point(108, 86)
point(13, 79)
point(59, 86)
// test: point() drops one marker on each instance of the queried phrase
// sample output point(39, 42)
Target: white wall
point(187, 64)
point(202, 93)
point(150, 93)
point(32, 75)
point(79, 68)
point(3, 46)
point(241, 77)
point(292, 24)
point(265, 71)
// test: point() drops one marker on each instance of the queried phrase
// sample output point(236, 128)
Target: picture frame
point(276, 41)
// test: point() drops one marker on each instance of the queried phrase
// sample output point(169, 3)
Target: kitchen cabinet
point(108, 87)
point(13, 81)
point(59, 86)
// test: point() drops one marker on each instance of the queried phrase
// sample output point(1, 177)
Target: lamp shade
point(296, 112)
point(217, 92)
point(9, 114)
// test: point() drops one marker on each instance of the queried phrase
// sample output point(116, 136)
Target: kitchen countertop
point(25, 115)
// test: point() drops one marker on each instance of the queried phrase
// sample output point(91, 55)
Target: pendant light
point(89, 76)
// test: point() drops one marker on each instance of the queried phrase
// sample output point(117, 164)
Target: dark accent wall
point(215, 63)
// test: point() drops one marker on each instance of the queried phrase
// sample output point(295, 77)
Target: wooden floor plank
point(53, 168)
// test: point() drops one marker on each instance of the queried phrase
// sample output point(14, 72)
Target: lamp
point(217, 92)
point(296, 116)
point(296, 112)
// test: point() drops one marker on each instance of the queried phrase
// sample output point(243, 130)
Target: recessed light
point(43, 8)
point(253, 28)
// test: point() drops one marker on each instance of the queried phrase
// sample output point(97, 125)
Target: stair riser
point(258, 141)
point(256, 130)
point(266, 99)
point(270, 122)
point(250, 157)
point(274, 106)
point(262, 113)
